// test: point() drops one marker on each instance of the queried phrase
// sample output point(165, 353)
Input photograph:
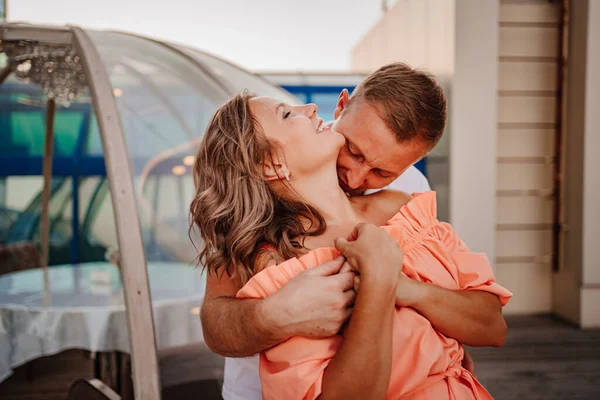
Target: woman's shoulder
point(267, 256)
point(392, 197)
point(382, 205)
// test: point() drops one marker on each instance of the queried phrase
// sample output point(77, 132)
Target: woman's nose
point(310, 110)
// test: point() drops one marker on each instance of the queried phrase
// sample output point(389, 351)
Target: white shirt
point(241, 381)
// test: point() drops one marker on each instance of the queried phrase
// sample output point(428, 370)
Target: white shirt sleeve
point(411, 181)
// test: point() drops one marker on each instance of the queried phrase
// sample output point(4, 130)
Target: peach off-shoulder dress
point(425, 363)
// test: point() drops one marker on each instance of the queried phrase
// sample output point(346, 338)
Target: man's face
point(372, 158)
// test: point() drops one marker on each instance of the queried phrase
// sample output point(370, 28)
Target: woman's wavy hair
point(237, 213)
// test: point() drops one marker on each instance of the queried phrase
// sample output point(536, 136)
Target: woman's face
point(306, 143)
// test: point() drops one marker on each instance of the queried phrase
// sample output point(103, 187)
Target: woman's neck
point(322, 191)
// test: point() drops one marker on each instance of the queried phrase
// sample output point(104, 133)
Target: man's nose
point(356, 178)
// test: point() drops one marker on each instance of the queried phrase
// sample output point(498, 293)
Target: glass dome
point(110, 195)
point(165, 95)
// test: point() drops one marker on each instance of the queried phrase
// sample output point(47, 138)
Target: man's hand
point(314, 304)
point(468, 363)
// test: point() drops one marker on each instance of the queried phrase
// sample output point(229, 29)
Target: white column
point(473, 124)
point(590, 294)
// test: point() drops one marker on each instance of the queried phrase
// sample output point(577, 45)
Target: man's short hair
point(409, 100)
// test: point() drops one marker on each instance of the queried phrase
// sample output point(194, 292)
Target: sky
point(257, 34)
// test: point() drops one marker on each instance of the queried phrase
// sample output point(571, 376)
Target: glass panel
point(302, 98)
point(76, 303)
point(237, 79)
point(22, 121)
point(164, 102)
point(19, 193)
point(326, 103)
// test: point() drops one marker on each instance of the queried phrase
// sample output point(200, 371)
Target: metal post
point(133, 259)
point(46, 191)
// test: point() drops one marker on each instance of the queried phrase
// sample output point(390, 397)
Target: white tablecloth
point(83, 308)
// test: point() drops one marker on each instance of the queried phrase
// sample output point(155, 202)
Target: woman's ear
point(275, 171)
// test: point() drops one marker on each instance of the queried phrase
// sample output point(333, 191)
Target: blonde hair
point(237, 213)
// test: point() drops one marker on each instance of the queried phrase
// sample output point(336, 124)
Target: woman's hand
point(361, 367)
point(373, 253)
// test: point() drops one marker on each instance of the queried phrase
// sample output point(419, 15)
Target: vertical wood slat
point(527, 101)
point(532, 12)
point(528, 41)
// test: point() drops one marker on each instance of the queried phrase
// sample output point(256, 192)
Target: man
point(393, 119)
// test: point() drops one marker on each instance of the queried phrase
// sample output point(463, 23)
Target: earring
point(287, 175)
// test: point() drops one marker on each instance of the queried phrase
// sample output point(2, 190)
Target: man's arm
point(235, 327)
point(472, 317)
point(313, 304)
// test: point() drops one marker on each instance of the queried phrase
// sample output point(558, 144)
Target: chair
point(18, 256)
point(91, 389)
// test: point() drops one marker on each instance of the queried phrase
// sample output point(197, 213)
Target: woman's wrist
point(378, 285)
point(380, 277)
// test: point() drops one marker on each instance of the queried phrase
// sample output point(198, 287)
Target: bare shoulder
point(379, 207)
point(265, 259)
point(391, 199)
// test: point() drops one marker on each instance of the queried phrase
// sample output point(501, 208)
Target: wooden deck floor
point(543, 358)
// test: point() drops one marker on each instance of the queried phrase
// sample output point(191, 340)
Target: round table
point(81, 306)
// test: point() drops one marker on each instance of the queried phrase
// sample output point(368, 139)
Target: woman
point(267, 192)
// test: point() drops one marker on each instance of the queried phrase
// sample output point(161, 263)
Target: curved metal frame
point(133, 261)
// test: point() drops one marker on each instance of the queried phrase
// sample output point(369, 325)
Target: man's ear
point(275, 171)
point(342, 103)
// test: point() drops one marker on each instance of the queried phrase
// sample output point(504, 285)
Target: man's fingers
point(344, 280)
point(350, 296)
point(346, 267)
point(328, 268)
point(347, 313)
point(468, 363)
point(356, 283)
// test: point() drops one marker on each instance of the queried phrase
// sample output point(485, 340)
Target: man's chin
point(348, 190)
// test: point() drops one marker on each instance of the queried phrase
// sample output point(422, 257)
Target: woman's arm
point(362, 365)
